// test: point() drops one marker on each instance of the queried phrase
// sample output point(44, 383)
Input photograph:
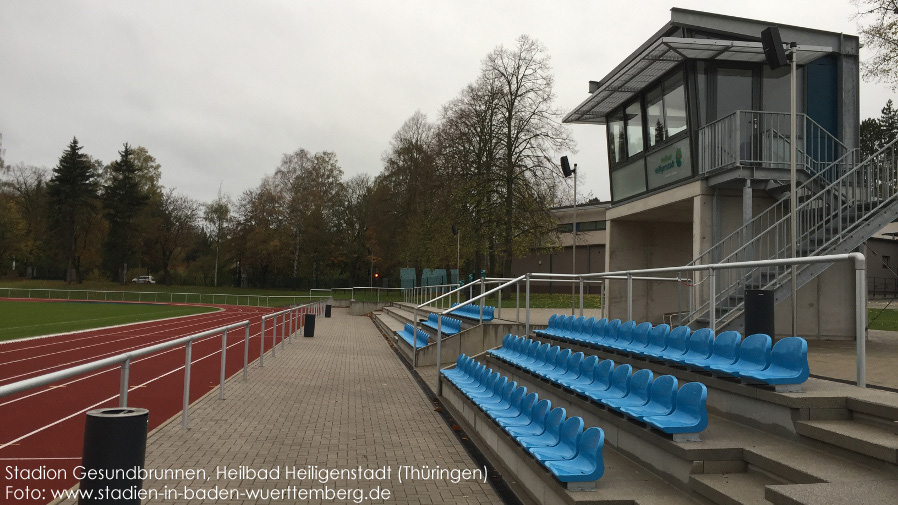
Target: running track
point(44, 427)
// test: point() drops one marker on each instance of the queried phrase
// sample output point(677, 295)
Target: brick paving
point(340, 400)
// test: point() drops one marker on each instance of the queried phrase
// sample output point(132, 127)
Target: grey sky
point(217, 91)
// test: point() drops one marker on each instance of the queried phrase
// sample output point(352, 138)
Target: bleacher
point(559, 443)
point(753, 360)
point(654, 402)
point(451, 326)
point(473, 312)
point(406, 334)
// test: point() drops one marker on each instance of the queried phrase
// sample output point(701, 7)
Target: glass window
point(702, 92)
point(566, 228)
point(591, 226)
point(616, 141)
point(674, 105)
point(733, 91)
point(775, 89)
point(633, 115)
point(628, 180)
point(654, 114)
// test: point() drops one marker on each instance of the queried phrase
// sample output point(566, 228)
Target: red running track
point(44, 427)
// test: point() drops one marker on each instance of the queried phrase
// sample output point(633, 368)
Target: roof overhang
point(658, 58)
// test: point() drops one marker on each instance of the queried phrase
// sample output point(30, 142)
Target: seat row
point(556, 441)
point(640, 396)
point(754, 360)
point(451, 326)
point(473, 312)
point(408, 331)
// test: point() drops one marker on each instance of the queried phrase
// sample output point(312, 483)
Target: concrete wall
point(357, 308)
point(881, 282)
point(826, 306)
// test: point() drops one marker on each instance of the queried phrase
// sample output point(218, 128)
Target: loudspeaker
point(454, 230)
point(566, 167)
point(773, 47)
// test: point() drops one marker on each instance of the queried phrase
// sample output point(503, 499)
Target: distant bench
point(451, 326)
point(408, 331)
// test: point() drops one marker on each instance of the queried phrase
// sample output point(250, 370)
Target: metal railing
point(761, 139)
point(124, 360)
point(829, 213)
point(158, 296)
point(367, 288)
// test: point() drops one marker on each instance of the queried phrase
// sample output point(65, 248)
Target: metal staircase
point(840, 206)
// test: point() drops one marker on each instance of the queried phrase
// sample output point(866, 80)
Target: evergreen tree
point(73, 192)
point(123, 199)
point(888, 124)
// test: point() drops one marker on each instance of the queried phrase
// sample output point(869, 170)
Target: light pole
point(457, 233)
point(566, 169)
point(776, 57)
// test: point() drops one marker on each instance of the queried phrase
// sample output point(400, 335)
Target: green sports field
point(30, 319)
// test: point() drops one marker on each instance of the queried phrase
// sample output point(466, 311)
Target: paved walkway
point(339, 401)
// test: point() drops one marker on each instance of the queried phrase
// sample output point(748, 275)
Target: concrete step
point(841, 493)
point(733, 488)
point(803, 465)
point(869, 440)
point(887, 412)
point(388, 322)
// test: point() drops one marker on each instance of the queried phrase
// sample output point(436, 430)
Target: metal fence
point(162, 296)
point(123, 361)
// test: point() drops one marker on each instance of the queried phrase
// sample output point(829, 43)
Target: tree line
point(485, 168)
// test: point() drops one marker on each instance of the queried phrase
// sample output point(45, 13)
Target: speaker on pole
point(773, 47)
point(566, 167)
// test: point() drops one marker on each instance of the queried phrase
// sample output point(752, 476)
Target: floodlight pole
point(574, 244)
point(793, 197)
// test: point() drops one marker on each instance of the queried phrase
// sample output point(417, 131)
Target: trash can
point(759, 314)
point(327, 310)
point(309, 326)
point(114, 439)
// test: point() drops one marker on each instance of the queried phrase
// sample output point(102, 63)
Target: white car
point(144, 279)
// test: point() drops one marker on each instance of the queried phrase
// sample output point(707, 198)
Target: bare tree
point(881, 36)
point(217, 217)
point(531, 134)
point(174, 219)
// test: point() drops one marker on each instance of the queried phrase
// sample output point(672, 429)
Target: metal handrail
point(128, 295)
point(124, 362)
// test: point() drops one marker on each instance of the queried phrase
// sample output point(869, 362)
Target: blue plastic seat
point(519, 410)
point(560, 359)
point(550, 433)
point(657, 341)
point(588, 465)
point(623, 336)
point(566, 448)
point(538, 419)
point(460, 367)
point(548, 327)
point(538, 356)
point(571, 369)
point(754, 356)
point(485, 384)
point(528, 417)
point(596, 334)
point(585, 375)
point(640, 339)
point(724, 352)
point(494, 391)
point(698, 348)
point(547, 359)
point(638, 393)
point(662, 395)
point(585, 331)
point(690, 414)
point(620, 383)
point(788, 364)
point(601, 378)
point(511, 399)
point(676, 343)
point(610, 332)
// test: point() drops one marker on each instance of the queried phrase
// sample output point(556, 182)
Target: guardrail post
point(439, 350)
point(415, 338)
point(679, 312)
point(185, 403)
point(262, 343)
point(602, 297)
point(123, 384)
point(224, 353)
point(499, 306)
point(860, 294)
point(581, 296)
point(629, 296)
point(712, 304)
point(527, 305)
point(274, 336)
point(517, 302)
point(246, 352)
point(482, 300)
point(284, 328)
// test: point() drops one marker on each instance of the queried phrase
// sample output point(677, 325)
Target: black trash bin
point(759, 314)
point(115, 439)
point(327, 310)
point(309, 326)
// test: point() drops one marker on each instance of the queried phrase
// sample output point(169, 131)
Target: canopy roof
point(667, 52)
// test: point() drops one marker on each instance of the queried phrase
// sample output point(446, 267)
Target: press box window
point(666, 110)
point(565, 228)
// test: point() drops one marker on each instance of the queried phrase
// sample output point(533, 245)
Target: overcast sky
point(218, 90)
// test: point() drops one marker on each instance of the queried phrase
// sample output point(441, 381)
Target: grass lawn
point(30, 319)
point(885, 319)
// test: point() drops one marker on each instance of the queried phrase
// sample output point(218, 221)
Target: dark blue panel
point(822, 102)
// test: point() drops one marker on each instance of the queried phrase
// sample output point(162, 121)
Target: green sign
point(672, 163)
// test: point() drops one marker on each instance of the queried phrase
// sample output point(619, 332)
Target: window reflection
point(674, 105)
point(616, 140)
point(634, 129)
point(655, 116)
